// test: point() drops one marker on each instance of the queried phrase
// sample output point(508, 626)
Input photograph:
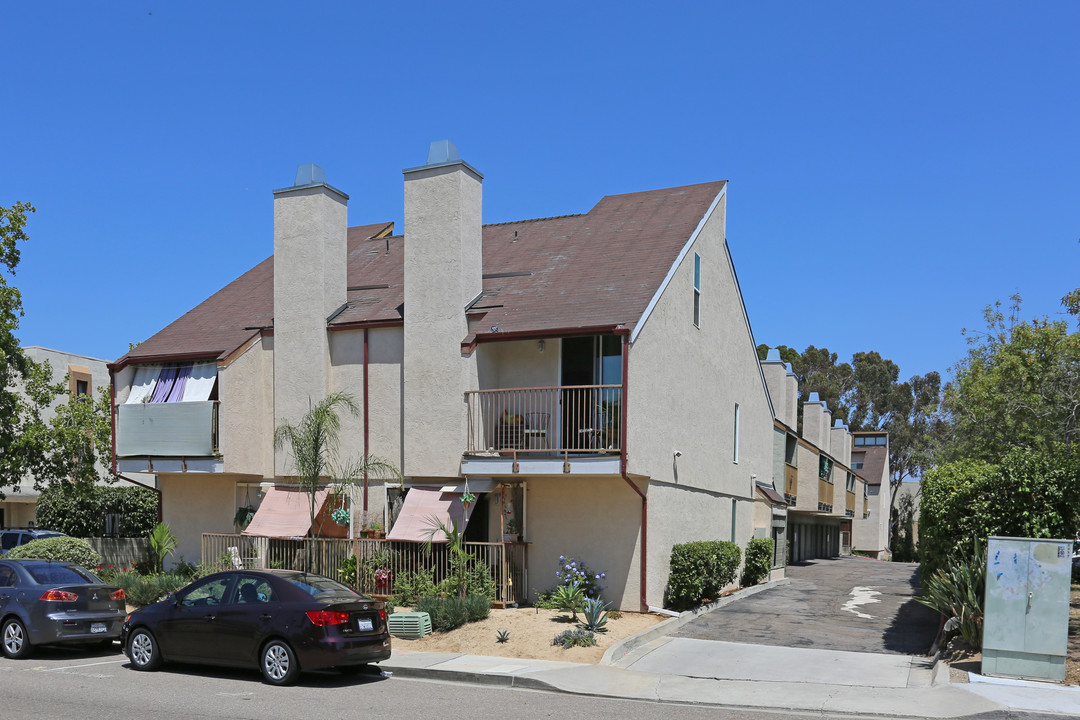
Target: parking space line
point(76, 667)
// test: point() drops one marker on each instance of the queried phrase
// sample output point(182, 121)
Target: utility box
point(1026, 622)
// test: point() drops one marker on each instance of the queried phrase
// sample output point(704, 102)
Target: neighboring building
point(870, 459)
point(591, 378)
point(85, 375)
point(824, 495)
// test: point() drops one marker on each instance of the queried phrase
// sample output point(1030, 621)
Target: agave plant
point(502, 636)
point(958, 591)
point(569, 597)
point(594, 612)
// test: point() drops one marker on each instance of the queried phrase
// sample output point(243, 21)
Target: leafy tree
point(314, 446)
point(1018, 387)
point(25, 387)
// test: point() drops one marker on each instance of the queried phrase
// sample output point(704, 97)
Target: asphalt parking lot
point(850, 603)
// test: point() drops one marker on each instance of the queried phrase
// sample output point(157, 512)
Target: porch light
point(540, 345)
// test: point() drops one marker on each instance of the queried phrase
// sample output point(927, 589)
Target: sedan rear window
point(316, 585)
point(57, 575)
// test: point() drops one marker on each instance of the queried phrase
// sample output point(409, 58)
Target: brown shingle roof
point(874, 464)
point(599, 269)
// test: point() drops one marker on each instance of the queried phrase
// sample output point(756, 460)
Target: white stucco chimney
point(814, 423)
point(443, 274)
point(840, 442)
point(775, 372)
point(310, 279)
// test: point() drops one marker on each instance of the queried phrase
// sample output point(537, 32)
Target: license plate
point(97, 627)
point(364, 624)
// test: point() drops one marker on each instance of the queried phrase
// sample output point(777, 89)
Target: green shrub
point(700, 570)
point(58, 549)
point(80, 511)
point(1029, 493)
point(570, 638)
point(446, 613)
point(409, 587)
point(143, 590)
point(758, 561)
point(477, 607)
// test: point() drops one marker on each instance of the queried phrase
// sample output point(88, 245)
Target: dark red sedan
point(281, 621)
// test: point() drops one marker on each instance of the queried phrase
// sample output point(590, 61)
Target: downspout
point(625, 332)
point(366, 427)
point(112, 428)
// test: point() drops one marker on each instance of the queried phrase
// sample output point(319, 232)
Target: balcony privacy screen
point(165, 429)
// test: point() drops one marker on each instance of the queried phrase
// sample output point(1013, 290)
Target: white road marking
point(76, 667)
point(861, 596)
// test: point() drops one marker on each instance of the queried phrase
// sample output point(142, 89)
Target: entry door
point(594, 360)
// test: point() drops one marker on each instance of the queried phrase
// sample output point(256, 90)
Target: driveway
point(851, 603)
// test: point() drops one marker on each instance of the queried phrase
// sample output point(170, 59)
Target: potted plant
point(511, 534)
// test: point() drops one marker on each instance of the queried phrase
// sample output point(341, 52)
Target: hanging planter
point(243, 516)
point(340, 516)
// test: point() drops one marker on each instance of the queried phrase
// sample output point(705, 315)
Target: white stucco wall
point(685, 382)
point(246, 410)
point(596, 520)
point(442, 274)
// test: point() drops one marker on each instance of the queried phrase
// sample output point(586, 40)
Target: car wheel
point(143, 650)
point(15, 642)
point(278, 663)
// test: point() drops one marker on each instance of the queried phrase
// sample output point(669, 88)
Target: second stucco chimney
point(443, 274)
point(310, 261)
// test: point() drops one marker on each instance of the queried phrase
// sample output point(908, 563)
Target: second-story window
point(697, 290)
point(735, 453)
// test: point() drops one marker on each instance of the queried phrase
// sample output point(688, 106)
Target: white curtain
point(200, 382)
point(143, 386)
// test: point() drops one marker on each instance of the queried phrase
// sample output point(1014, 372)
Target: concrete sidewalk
point(926, 693)
point(656, 667)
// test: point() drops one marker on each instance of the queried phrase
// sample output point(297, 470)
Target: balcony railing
point(825, 495)
point(546, 420)
point(167, 429)
point(791, 483)
point(506, 562)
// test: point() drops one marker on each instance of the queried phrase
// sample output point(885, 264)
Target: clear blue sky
point(893, 167)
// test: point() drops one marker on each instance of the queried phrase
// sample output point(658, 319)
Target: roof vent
point(309, 174)
point(441, 152)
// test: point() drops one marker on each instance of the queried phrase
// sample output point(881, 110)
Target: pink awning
point(421, 505)
point(285, 513)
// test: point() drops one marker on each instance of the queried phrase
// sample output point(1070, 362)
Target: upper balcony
point(572, 428)
point(167, 437)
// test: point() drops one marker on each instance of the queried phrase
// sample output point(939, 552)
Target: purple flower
point(558, 574)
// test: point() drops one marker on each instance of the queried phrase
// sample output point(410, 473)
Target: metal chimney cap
point(309, 174)
point(813, 398)
point(773, 356)
point(443, 153)
point(839, 424)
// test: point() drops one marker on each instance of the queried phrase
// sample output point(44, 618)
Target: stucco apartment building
point(870, 459)
point(828, 500)
point(84, 376)
point(591, 378)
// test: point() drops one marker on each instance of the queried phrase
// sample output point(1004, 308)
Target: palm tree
point(314, 445)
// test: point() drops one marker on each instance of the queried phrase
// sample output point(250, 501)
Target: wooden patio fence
point(505, 561)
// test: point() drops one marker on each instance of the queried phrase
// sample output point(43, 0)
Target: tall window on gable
point(735, 453)
point(697, 290)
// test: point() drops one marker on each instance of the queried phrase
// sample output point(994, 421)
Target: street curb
point(624, 647)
